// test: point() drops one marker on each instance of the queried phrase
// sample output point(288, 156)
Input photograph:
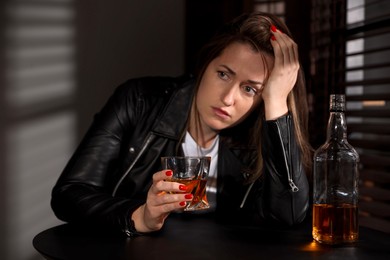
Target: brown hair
point(254, 29)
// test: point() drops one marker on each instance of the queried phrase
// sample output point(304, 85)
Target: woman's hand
point(160, 202)
point(283, 76)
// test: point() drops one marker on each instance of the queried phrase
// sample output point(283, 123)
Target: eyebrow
point(234, 73)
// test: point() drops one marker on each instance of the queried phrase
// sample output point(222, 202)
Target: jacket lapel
point(173, 119)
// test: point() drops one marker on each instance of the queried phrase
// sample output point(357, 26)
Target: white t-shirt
point(191, 148)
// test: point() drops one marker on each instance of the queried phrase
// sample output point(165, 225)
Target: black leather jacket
point(110, 173)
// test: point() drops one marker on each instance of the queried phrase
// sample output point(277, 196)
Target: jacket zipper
point(294, 187)
point(246, 195)
point(144, 146)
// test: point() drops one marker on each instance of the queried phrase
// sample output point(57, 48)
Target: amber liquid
point(335, 224)
point(198, 190)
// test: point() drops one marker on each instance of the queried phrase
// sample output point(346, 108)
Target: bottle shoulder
point(336, 149)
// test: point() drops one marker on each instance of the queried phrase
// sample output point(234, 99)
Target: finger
point(285, 47)
point(292, 63)
point(168, 203)
point(168, 186)
point(168, 208)
point(162, 175)
point(282, 46)
point(296, 55)
point(277, 52)
point(286, 43)
point(172, 198)
point(291, 47)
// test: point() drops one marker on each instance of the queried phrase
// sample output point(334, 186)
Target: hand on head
point(283, 76)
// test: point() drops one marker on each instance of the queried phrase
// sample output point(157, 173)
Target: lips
point(221, 113)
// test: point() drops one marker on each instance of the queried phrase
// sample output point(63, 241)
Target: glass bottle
point(335, 182)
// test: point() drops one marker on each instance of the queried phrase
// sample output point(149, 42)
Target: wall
point(60, 60)
point(122, 40)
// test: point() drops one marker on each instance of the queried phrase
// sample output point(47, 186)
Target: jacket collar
point(173, 119)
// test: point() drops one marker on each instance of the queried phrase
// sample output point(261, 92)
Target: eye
point(223, 75)
point(249, 90)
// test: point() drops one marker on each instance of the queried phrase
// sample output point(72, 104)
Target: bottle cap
point(337, 103)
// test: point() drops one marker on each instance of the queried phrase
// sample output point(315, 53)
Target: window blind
point(350, 53)
point(367, 87)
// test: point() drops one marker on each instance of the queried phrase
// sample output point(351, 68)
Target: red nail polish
point(168, 173)
point(182, 187)
point(183, 203)
point(273, 38)
point(273, 28)
point(188, 196)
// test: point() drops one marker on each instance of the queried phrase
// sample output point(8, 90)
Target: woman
point(247, 109)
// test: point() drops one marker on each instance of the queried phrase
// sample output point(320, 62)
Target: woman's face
point(231, 87)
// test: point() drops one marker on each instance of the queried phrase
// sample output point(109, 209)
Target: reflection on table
point(203, 238)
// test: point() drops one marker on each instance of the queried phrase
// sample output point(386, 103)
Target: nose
point(228, 96)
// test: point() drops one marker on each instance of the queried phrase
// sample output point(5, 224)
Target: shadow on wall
point(41, 120)
point(57, 53)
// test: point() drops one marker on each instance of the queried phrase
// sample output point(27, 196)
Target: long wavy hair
point(254, 29)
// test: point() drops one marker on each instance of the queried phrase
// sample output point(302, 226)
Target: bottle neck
point(337, 126)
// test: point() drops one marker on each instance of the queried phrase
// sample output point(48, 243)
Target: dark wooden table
point(201, 238)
